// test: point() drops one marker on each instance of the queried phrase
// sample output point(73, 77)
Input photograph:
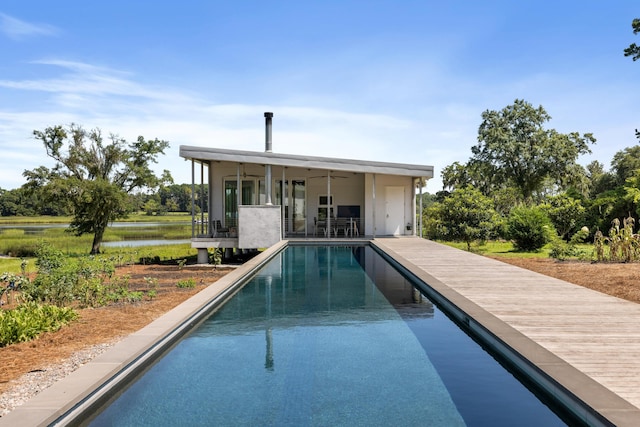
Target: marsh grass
point(137, 217)
point(20, 244)
point(17, 242)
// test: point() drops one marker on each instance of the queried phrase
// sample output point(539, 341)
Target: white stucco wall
point(377, 219)
point(259, 226)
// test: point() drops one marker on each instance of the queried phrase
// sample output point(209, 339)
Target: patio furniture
point(218, 228)
point(353, 227)
point(319, 226)
point(340, 225)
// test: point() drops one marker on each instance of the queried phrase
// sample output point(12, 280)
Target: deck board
point(597, 334)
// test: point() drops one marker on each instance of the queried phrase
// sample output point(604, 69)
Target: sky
point(398, 81)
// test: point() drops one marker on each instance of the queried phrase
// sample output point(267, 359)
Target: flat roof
point(204, 154)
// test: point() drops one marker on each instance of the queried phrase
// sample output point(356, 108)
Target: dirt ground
point(106, 324)
point(618, 279)
point(109, 324)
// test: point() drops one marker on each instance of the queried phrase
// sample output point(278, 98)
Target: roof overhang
point(205, 155)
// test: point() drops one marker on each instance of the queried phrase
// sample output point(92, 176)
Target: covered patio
point(249, 200)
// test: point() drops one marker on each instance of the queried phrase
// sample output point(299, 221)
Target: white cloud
point(115, 102)
point(17, 29)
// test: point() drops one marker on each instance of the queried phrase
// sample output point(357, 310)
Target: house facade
point(253, 199)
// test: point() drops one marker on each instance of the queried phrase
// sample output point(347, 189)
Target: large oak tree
point(515, 149)
point(93, 176)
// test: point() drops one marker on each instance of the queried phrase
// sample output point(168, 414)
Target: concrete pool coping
point(508, 332)
point(75, 393)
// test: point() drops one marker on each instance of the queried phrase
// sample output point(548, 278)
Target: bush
point(186, 284)
point(562, 250)
point(565, 213)
point(27, 321)
point(465, 215)
point(62, 281)
point(529, 228)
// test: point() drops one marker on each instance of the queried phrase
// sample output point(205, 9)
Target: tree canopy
point(514, 148)
point(634, 50)
point(94, 176)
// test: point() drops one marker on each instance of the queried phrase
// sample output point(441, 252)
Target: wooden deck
point(586, 341)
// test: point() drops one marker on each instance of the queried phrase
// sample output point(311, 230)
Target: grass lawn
point(506, 249)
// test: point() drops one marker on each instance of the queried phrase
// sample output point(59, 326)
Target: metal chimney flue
point(267, 119)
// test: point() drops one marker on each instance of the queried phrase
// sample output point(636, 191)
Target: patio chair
point(319, 226)
point(218, 228)
point(341, 225)
point(352, 227)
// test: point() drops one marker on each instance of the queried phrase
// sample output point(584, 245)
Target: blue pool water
point(326, 336)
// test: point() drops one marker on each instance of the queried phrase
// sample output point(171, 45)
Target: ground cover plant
point(28, 320)
point(44, 297)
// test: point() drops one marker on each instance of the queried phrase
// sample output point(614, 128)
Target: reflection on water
point(327, 336)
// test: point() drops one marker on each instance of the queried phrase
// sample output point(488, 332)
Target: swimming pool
point(327, 336)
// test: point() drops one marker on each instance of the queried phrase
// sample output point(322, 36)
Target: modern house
point(253, 199)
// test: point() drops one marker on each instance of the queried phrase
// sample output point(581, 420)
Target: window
point(324, 207)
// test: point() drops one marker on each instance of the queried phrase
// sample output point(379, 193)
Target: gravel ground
point(32, 383)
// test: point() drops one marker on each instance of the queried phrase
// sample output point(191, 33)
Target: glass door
point(299, 196)
point(230, 204)
point(282, 199)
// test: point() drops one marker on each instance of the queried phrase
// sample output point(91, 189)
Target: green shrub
point(562, 250)
point(215, 256)
point(61, 280)
point(29, 320)
point(529, 228)
point(186, 283)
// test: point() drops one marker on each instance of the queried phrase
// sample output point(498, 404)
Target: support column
point(268, 145)
point(238, 197)
point(329, 204)
point(283, 214)
point(420, 217)
point(374, 205)
point(201, 198)
point(193, 198)
point(203, 256)
point(210, 200)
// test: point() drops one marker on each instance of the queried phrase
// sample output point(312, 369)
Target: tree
point(598, 179)
point(515, 148)
point(466, 215)
point(95, 177)
point(625, 163)
point(634, 50)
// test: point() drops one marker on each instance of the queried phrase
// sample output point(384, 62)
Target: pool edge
point(589, 400)
point(60, 403)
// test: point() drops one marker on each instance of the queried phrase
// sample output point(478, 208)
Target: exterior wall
point(347, 188)
point(259, 226)
point(375, 209)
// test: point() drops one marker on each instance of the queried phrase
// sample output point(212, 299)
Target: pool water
point(326, 336)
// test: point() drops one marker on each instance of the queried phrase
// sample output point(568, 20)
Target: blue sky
point(398, 81)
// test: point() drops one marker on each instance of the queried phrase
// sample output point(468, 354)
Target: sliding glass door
point(299, 196)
